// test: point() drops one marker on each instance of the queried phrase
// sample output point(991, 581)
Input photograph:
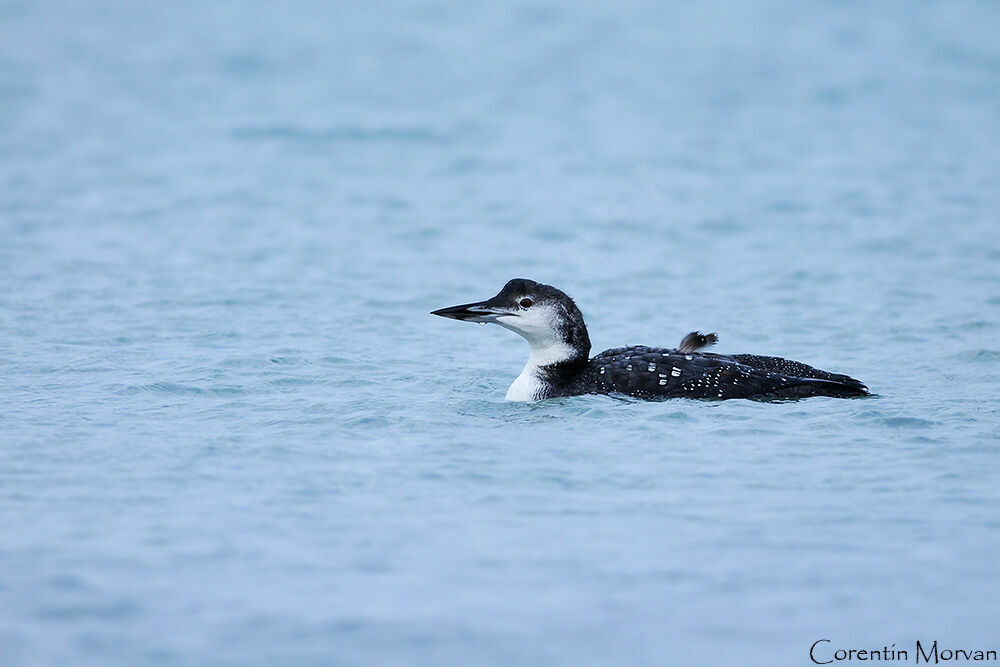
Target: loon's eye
point(525, 302)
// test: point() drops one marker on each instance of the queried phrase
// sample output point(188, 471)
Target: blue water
point(231, 433)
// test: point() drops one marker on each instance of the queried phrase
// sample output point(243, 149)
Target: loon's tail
point(696, 340)
point(841, 387)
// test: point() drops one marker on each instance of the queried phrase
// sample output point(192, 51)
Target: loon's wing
point(696, 340)
point(798, 369)
point(646, 372)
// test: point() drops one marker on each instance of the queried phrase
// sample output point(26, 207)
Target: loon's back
point(653, 373)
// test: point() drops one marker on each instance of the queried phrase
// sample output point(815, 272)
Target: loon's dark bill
point(471, 312)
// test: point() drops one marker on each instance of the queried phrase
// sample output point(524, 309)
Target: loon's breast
point(651, 373)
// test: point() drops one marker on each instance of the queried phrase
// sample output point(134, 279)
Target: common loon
point(560, 346)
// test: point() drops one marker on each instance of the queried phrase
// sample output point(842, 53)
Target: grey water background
point(230, 433)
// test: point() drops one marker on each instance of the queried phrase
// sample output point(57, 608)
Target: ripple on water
point(179, 389)
point(905, 422)
point(348, 133)
point(104, 611)
point(981, 355)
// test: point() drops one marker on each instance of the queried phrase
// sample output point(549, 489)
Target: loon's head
point(545, 316)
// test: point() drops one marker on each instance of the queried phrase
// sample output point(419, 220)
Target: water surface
point(230, 433)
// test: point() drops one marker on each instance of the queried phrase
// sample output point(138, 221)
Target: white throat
point(540, 327)
point(528, 386)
